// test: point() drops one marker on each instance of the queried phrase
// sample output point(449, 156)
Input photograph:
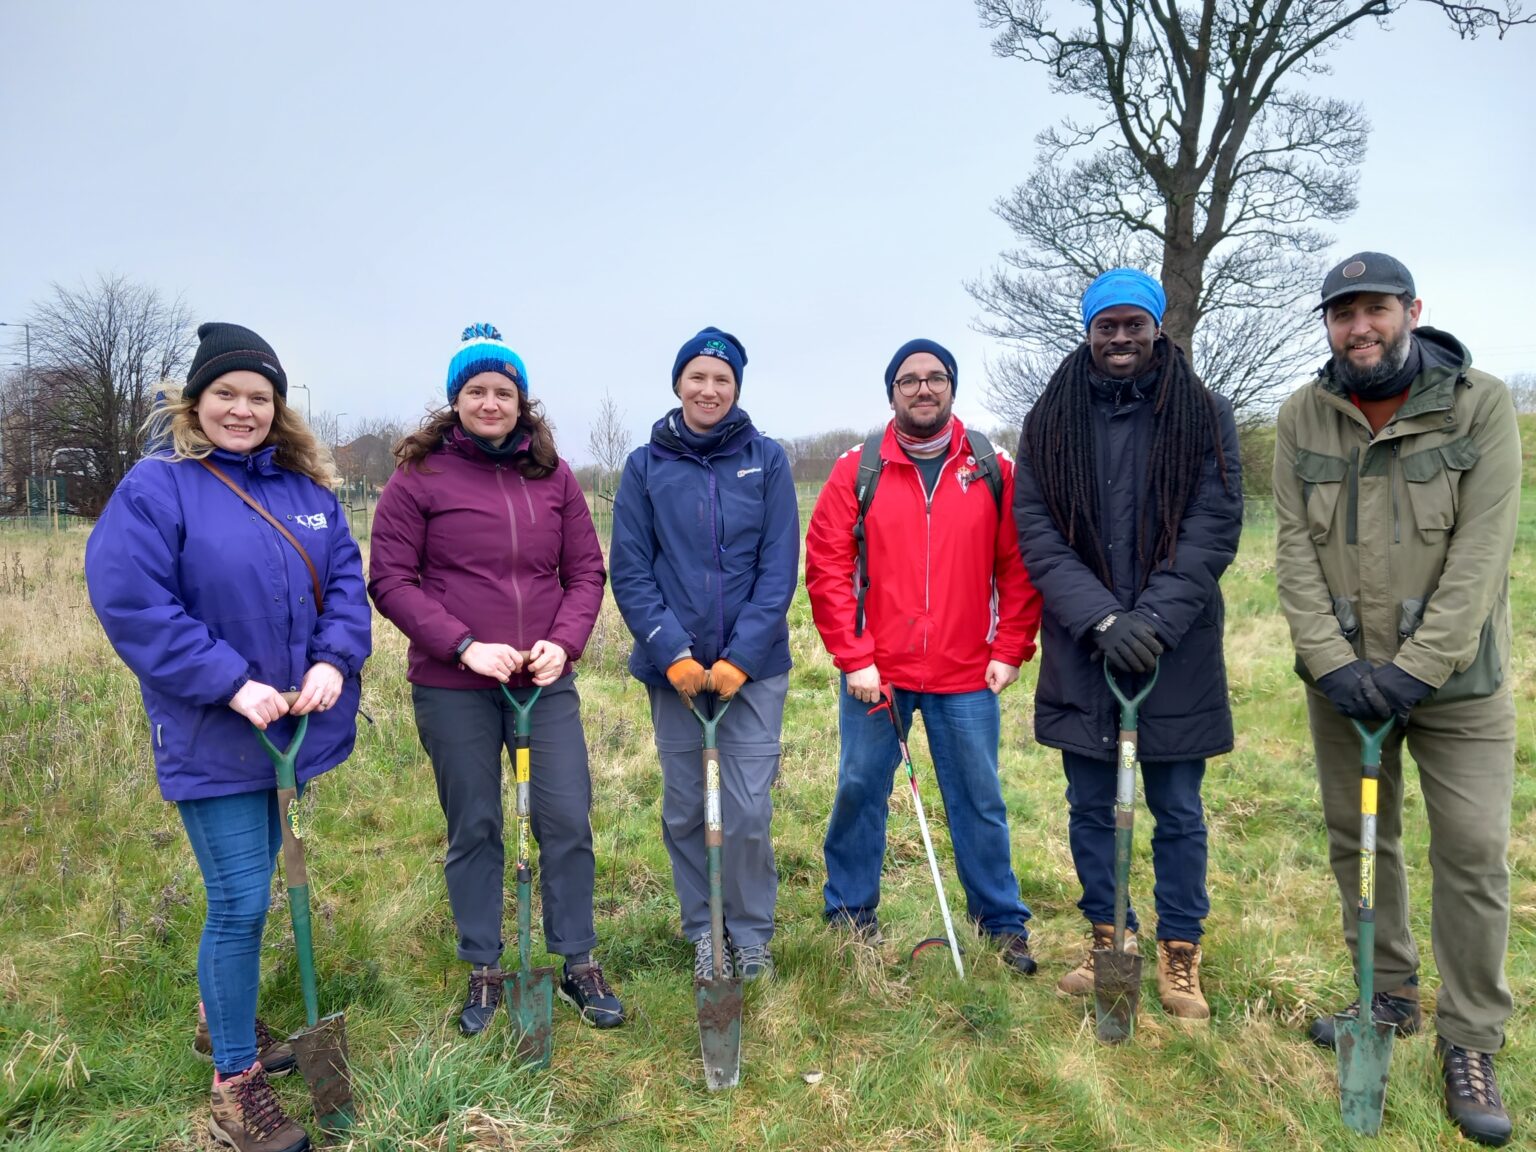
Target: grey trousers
point(748, 738)
point(463, 732)
point(1465, 752)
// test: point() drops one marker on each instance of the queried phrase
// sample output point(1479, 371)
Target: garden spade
point(1116, 972)
point(717, 998)
point(321, 1047)
point(533, 989)
point(1364, 1043)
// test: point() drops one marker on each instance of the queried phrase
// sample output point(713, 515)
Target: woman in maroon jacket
point(483, 548)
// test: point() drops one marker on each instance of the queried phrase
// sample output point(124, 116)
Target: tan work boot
point(1178, 980)
point(1079, 981)
point(248, 1116)
point(275, 1056)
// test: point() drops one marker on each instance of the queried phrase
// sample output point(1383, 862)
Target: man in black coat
point(1129, 506)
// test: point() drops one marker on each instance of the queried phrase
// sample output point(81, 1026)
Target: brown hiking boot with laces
point(275, 1056)
point(248, 1117)
point(1178, 980)
point(1472, 1094)
point(1079, 981)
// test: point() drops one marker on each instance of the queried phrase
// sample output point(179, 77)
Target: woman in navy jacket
point(705, 557)
point(216, 613)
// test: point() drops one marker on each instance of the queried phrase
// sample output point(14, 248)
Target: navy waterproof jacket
point(1187, 715)
point(198, 594)
point(706, 552)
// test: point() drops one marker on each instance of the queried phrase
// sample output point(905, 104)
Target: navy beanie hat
point(712, 342)
point(912, 348)
point(483, 350)
point(225, 348)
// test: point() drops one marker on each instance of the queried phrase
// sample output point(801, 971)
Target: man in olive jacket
point(1397, 489)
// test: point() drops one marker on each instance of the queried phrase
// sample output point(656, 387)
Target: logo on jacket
point(746, 472)
point(316, 521)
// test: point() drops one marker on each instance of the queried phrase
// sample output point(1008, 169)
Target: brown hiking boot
point(1397, 1006)
point(1079, 981)
point(1472, 1094)
point(1178, 980)
point(248, 1116)
point(275, 1056)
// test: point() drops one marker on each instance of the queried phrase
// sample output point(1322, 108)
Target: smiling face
point(488, 405)
point(926, 411)
point(707, 388)
point(1120, 341)
point(1368, 333)
point(236, 410)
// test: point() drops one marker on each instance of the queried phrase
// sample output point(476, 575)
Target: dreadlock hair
point(1058, 434)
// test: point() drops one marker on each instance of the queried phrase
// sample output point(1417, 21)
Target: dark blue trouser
point(1172, 790)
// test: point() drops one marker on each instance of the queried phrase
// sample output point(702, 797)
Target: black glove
point(1354, 692)
point(1400, 690)
point(1128, 641)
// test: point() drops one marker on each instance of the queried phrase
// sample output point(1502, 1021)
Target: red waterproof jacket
point(947, 587)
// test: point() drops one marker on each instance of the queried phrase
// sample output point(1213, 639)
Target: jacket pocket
point(1322, 480)
point(1434, 485)
point(1481, 678)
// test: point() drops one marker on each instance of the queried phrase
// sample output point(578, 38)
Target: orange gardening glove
point(726, 679)
point(687, 676)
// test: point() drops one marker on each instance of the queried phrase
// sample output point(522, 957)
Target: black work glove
point(1401, 690)
point(1352, 689)
point(1128, 641)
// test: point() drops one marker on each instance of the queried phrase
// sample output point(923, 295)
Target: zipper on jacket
point(1397, 537)
point(1352, 513)
point(517, 584)
point(714, 533)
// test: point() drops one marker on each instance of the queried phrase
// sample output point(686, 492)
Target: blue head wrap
point(1124, 286)
point(712, 342)
point(483, 350)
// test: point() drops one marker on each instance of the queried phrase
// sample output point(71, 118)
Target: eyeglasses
point(938, 384)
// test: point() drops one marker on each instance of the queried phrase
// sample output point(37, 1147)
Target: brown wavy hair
point(175, 423)
point(539, 461)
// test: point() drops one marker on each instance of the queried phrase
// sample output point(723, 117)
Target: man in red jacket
point(949, 615)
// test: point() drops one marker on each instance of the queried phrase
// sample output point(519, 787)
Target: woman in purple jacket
point(483, 549)
point(218, 614)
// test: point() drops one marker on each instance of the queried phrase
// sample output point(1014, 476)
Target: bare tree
point(1206, 158)
point(609, 444)
point(98, 354)
point(368, 453)
point(1522, 387)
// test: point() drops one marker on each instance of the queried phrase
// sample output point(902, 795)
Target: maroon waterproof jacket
point(467, 546)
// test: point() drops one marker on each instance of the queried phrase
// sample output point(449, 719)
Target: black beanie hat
point(230, 348)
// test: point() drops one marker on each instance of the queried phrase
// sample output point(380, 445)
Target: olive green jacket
point(1397, 547)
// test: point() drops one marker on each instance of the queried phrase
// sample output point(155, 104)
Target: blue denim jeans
point(236, 840)
point(962, 734)
point(1172, 790)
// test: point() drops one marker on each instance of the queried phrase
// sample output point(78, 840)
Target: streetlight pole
point(309, 410)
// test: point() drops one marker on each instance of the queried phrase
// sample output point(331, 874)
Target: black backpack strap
point(987, 465)
point(864, 485)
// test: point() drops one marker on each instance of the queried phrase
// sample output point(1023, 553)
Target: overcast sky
point(359, 182)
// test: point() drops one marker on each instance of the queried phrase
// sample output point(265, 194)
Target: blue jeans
point(236, 840)
point(1172, 791)
point(962, 737)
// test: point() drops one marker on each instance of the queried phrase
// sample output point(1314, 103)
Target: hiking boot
point(588, 992)
point(1399, 1006)
point(248, 1116)
point(753, 961)
point(704, 961)
point(1178, 980)
point(481, 1000)
point(1079, 981)
point(1016, 953)
point(275, 1056)
point(1472, 1094)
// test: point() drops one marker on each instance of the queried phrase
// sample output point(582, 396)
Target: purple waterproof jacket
point(464, 545)
point(198, 595)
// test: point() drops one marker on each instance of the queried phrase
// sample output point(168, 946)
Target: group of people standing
point(933, 561)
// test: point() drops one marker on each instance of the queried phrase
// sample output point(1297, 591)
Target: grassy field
point(100, 910)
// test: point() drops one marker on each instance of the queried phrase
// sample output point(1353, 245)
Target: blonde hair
point(174, 425)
